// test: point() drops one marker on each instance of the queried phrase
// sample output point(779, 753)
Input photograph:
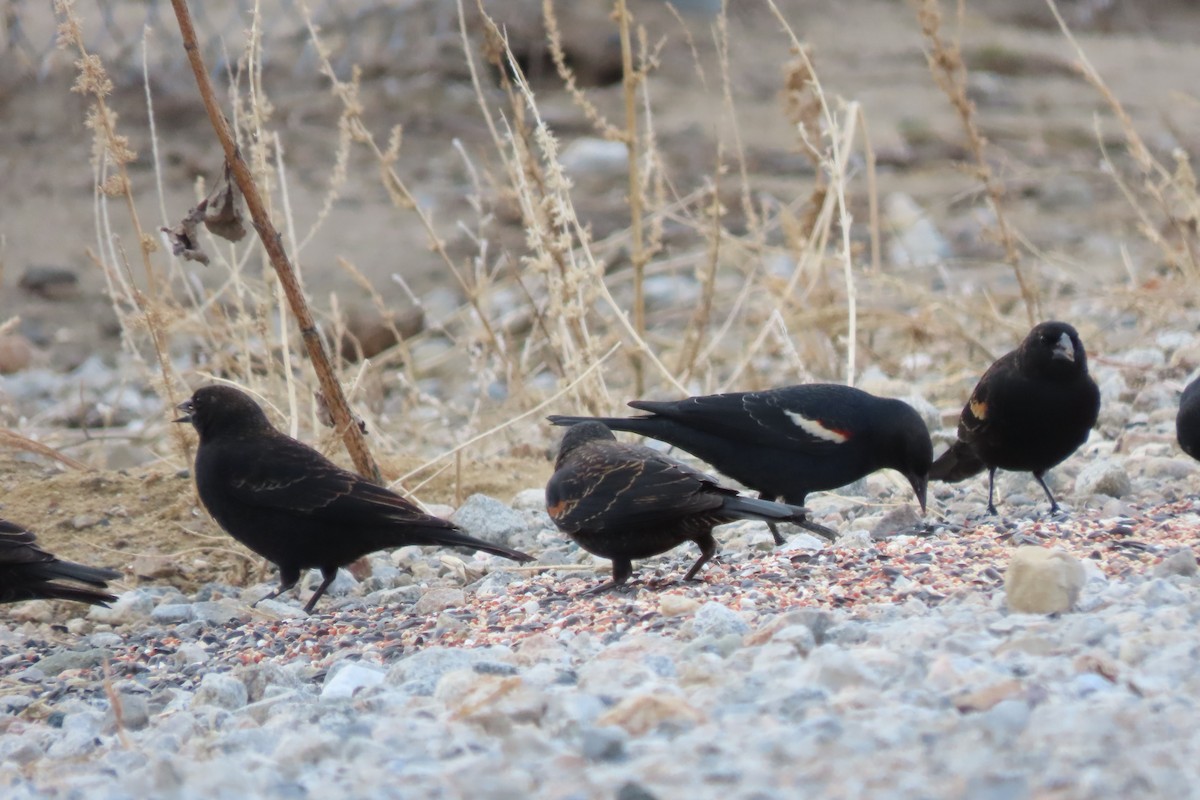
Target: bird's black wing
point(814, 418)
point(281, 473)
point(616, 484)
point(17, 546)
point(999, 379)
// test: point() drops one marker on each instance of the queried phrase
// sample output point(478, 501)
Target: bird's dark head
point(219, 410)
point(1053, 349)
point(580, 434)
point(909, 449)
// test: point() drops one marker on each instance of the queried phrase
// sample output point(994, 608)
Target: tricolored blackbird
point(1030, 410)
point(27, 572)
point(787, 442)
point(292, 505)
point(625, 501)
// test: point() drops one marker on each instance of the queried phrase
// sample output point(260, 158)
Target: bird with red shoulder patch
point(785, 443)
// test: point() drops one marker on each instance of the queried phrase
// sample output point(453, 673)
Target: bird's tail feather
point(453, 537)
point(765, 510)
point(56, 591)
point(69, 570)
point(957, 463)
point(770, 511)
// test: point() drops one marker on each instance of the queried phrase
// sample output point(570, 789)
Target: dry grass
point(780, 290)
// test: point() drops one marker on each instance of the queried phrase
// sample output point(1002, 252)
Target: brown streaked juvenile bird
point(624, 501)
point(27, 572)
point(787, 442)
point(292, 505)
point(1031, 409)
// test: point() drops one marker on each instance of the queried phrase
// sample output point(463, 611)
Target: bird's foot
point(604, 587)
point(820, 530)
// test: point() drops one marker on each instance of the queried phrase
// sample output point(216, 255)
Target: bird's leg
point(622, 568)
point(708, 549)
point(1040, 478)
point(328, 573)
point(288, 577)
point(775, 534)
point(991, 490)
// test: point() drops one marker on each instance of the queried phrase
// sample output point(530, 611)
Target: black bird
point(1187, 422)
point(27, 572)
point(624, 501)
point(787, 442)
point(291, 505)
point(1031, 409)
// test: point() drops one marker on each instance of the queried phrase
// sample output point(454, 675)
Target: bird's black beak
point(188, 409)
point(920, 484)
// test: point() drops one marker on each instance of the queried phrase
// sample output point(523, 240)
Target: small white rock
point(348, 680)
point(1042, 581)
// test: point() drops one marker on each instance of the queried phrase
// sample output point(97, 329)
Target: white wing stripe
point(814, 428)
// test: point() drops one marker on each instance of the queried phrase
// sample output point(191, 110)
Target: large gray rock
point(1106, 476)
point(489, 519)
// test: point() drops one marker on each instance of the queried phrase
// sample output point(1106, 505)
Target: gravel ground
point(886, 665)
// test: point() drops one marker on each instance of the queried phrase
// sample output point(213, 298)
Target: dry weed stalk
point(112, 151)
point(950, 74)
point(632, 79)
point(831, 153)
point(272, 244)
point(402, 197)
point(542, 192)
point(1167, 189)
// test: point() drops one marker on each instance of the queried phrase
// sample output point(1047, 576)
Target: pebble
point(439, 599)
point(1182, 562)
point(717, 620)
point(16, 353)
point(221, 691)
point(591, 156)
point(351, 678)
point(1042, 581)
point(1104, 476)
point(915, 240)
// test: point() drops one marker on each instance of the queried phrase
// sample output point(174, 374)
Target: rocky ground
point(886, 665)
point(893, 663)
